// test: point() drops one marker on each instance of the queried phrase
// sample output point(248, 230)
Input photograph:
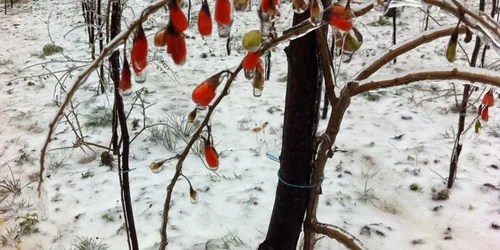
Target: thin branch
point(434, 98)
point(326, 66)
point(459, 73)
point(339, 234)
point(404, 47)
point(183, 155)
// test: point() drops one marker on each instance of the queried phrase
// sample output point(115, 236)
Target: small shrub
point(11, 185)
point(28, 225)
point(135, 124)
point(374, 96)
point(415, 187)
point(87, 174)
point(441, 195)
point(50, 49)
point(56, 163)
point(99, 117)
point(107, 159)
point(5, 62)
point(87, 243)
point(108, 217)
point(173, 130)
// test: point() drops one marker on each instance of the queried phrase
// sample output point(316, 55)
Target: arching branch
point(458, 73)
point(339, 234)
point(397, 50)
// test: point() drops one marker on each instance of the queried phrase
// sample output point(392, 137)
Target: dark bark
point(120, 117)
point(91, 11)
point(125, 169)
point(86, 14)
point(228, 45)
point(268, 66)
point(487, 47)
point(428, 15)
point(189, 13)
point(101, 44)
point(326, 103)
point(394, 14)
point(299, 129)
point(115, 66)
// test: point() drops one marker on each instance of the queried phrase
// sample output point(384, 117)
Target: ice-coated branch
point(399, 49)
point(118, 40)
point(448, 73)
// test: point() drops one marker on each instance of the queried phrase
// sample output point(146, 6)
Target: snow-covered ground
point(366, 190)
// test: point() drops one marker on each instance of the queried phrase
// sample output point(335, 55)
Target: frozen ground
point(235, 203)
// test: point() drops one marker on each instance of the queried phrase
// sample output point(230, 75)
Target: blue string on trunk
point(301, 186)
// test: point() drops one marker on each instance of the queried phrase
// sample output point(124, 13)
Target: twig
point(444, 179)
point(393, 146)
point(52, 41)
point(339, 234)
point(55, 61)
point(434, 98)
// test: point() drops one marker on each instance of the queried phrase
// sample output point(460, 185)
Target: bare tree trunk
point(297, 154)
